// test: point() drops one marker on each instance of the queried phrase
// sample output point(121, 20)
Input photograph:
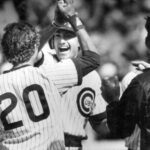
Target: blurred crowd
point(116, 26)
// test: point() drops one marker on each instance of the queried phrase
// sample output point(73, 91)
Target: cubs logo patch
point(85, 101)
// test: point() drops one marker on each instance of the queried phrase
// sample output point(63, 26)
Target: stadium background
point(115, 26)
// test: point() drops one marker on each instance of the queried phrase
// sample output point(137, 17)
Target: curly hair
point(19, 41)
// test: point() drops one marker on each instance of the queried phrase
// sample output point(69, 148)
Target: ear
point(79, 49)
point(51, 43)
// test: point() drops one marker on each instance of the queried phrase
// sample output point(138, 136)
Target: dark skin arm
point(122, 115)
point(99, 122)
point(101, 128)
point(46, 34)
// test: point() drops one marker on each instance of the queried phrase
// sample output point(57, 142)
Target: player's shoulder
point(129, 77)
point(91, 80)
point(28, 69)
point(92, 76)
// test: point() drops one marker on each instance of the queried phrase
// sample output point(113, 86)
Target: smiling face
point(66, 44)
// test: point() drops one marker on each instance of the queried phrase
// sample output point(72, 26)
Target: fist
point(66, 8)
point(110, 89)
point(59, 17)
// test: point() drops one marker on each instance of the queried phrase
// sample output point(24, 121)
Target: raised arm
point(46, 34)
point(69, 72)
point(72, 17)
point(90, 59)
point(49, 31)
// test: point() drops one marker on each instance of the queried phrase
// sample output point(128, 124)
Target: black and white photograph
point(74, 74)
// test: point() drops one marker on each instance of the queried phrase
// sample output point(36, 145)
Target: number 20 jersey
point(30, 118)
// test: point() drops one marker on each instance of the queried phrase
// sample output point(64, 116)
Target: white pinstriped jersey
point(65, 70)
point(132, 142)
point(48, 56)
point(81, 102)
point(63, 73)
point(29, 106)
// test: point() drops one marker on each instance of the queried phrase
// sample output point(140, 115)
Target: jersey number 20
point(32, 116)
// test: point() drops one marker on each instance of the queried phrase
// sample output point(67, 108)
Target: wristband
point(77, 28)
point(73, 22)
point(56, 25)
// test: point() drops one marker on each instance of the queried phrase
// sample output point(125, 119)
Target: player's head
point(20, 42)
point(65, 42)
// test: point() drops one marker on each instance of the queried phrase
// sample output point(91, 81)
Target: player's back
point(133, 141)
point(29, 111)
point(82, 102)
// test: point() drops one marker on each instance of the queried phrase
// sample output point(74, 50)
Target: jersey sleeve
point(86, 62)
point(100, 103)
point(99, 111)
point(127, 79)
point(69, 72)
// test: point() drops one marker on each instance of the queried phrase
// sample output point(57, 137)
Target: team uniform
point(132, 142)
point(80, 104)
point(29, 102)
point(30, 107)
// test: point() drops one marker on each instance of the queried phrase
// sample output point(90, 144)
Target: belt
point(73, 141)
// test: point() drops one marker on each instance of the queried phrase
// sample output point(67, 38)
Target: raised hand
point(68, 1)
point(140, 65)
point(110, 89)
point(66, 8)
point(59, 18)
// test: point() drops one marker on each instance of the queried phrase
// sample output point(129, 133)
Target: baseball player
point(80, 103)
point(29, 96)
point(133, 141)
point(45, 57)
point(29, 100)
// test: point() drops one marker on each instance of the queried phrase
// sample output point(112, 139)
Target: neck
point(30, 62)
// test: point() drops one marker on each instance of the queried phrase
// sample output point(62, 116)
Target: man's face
point(66, 44)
